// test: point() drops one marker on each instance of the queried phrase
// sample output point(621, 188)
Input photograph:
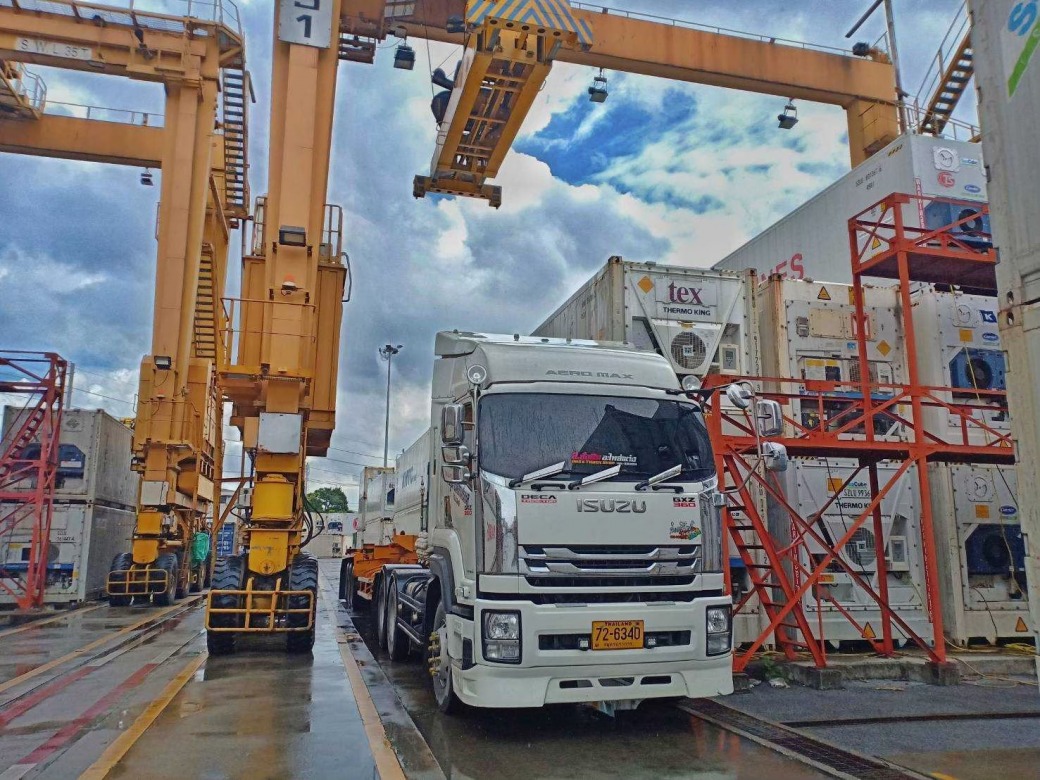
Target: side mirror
point(770, 418)
point(452, 416)
point(454, 475)
point(740, 394)
point(775, 456)
point(456, 455)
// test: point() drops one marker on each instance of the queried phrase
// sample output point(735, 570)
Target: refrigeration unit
point(809, 484)
point(981, 552)
point(959, 347)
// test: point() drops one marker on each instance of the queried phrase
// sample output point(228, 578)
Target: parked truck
point(569, 537)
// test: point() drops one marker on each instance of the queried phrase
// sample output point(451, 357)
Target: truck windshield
point(522, 432)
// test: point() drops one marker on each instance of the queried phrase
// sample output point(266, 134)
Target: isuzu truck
point(570, 544)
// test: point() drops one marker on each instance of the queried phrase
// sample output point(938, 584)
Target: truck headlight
point(717, 630)
point(501, 636)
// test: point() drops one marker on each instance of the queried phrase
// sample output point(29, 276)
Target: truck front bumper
point(549, 675)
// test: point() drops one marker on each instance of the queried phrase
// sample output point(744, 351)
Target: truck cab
point(572, 546)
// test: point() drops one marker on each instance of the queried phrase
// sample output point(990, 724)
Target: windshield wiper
point(668, 473)
point(542, 473)
point(606, 473)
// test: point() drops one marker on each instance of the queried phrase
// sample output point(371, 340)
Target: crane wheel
point(227, 575)
point(182, 589)
point(121, 562)
point(167, 561)
point(302, 576)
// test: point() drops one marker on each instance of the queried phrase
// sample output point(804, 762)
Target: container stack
point(94, 507)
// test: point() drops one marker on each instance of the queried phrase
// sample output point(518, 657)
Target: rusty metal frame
point(882, 242)
point(27, 482)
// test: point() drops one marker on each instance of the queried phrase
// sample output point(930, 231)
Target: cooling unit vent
point(689, 351)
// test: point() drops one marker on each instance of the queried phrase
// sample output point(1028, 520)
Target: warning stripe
point(551, 14)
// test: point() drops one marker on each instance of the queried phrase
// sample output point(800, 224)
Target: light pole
point(387, 353)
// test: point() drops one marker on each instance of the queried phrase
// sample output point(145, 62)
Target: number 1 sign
point(307, 22)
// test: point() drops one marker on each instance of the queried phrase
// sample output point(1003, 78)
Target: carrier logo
point(974, 189)
point(536, 498)
point(684, 503)
point(611, 505)
point(990, 337)
point(1007, 511)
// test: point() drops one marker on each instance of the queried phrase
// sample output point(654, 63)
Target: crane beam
point(864, 87)
point(91, 140)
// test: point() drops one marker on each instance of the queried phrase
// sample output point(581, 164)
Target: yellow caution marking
point(834, 484)
point(1020, 625)
point(823, 295)
point(387, 764)
point(941, 776)
point(63, 616)
point(966, 335)
point(884, 348)
point(646, 284)
point(982, 511)
point(114, 753)
point(868, 632)
point(104, 640)
point(876, 243)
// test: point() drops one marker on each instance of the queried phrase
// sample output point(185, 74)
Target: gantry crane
point(200, 147)
point(283, 377)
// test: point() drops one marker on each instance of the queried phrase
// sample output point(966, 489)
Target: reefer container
point(85, 537)
point(809, 484)
point(377, 504)
point(328, 545)
point(812, 242)
point(958, 346)
point(1008, 80)
point(94, 458)
point(981, 552)
point(701, 320)
point(413, 485)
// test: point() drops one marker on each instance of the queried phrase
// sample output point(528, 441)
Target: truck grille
point(646, 564)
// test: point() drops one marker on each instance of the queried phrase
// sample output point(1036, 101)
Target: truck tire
point(398, 644)
point(183, 584)
point(168, 561)
point(302, 576)
point(380, 605)
point(440, 663)
point(121, 562)
point(348, 585)
point(227, 575)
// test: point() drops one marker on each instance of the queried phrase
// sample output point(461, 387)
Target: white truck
point(570, 545)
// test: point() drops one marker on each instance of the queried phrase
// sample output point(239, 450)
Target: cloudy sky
point(662, 171)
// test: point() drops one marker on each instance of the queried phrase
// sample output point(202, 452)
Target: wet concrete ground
point(655, 741)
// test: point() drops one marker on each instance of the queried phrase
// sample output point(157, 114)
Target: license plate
point(617, 635)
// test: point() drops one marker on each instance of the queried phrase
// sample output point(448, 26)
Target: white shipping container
point(701, 320)
point(413, 485)
point(94, 457)
point(84, 539)
point(981, 552)
point(328, 545)
point(377, 504)
point(958, 346)
point(812, 242)
point(809, 484)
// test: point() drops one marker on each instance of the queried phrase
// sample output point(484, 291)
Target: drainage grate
point(822, 754)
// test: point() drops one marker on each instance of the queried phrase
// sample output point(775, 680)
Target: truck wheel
point(227, 575)
point(121, 562)
point(440, 663)
point(380, 602)
point(348, 585)
point(168, 561)
point(183, 584)
point(195, 580)
point(397, 642)
point(302, 576)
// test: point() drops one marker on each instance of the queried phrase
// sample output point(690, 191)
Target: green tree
point(328, 499)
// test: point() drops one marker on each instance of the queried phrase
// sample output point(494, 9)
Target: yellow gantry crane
point(199, 144)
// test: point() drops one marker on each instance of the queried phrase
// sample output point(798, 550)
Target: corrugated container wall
point(812, 242)
point(377, 503)
point(413, 485)
point(85, 537)
point(94, 457)
point(1008, 82)
point(701, 320)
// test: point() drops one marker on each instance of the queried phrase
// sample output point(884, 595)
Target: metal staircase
point(204, 332)
point(22, 93)
point(948, 78)
point(234, 115)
